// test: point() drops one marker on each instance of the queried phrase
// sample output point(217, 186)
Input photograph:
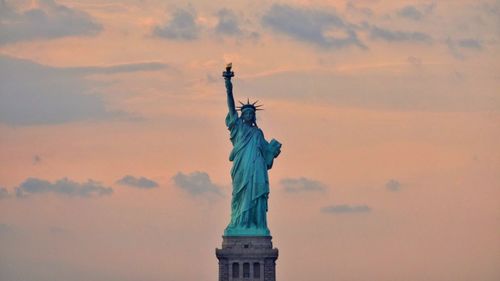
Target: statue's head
point(248, 111)
point(248, 115)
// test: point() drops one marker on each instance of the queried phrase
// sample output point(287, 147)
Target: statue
point(252, 156)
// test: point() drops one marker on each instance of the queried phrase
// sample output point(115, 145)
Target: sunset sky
point(114, 153)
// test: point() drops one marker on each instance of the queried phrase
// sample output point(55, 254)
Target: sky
point(114, 152)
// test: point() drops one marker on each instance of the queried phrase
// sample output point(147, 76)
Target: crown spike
point(250, 105)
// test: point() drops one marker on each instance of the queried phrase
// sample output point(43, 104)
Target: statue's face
point(248, 115)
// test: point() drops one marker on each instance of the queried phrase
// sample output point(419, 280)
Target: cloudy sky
point(114, 153)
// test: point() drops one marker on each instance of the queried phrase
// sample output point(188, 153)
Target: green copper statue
point(252, 156)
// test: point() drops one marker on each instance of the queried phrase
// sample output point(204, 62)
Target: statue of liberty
point(252, 156)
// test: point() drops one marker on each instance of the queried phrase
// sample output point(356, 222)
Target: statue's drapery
point(252, 156)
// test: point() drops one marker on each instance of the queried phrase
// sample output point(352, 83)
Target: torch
point(228, 73)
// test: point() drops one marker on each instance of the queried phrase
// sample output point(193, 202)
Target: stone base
point(247, 258)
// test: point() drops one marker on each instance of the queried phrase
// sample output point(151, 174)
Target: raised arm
point(229, 88)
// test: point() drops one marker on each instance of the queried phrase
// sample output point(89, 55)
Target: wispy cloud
point(322, 28)
point(296, 185)
point(6, 228)
point(182, 26)
point(33, 94)
point(117, 68)
point(37, 159)
point(346, 209)
point(391, 35)
point(416, 13)
point(48, 21)
point(4, 193)
point(365, 91)
point(470, 43)
point(411, 12)
point(393, 185)
point(417, 62)
point(197, 183)
point(352, 8)
point(458, 46)
point(64, 186)
point(228, 23)
point(56, 230)
point(139, 182)
point(36, 94)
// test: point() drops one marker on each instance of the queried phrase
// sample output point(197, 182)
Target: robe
point(252, 156)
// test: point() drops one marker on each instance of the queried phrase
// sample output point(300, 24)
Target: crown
point(254, 106)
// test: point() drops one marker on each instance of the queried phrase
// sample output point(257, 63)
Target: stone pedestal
point(247, 258)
